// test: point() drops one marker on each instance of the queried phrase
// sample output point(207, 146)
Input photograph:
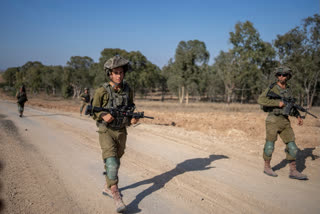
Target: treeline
point(237, 75)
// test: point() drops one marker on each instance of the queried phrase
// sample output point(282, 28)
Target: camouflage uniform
point(21, 99)
point(113, 135)
point(277, 122)
point(85, 99)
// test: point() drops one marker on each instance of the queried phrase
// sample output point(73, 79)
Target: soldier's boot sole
point(107, 192)
point(121, 208)
point(270, 173)
point(304, 177)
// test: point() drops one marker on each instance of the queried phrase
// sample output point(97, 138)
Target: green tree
point(77, 73)
point(10, 76)
point(52, 78)
point(300, 50)
point(227, 73)
point(190, 59)
point(249, 55)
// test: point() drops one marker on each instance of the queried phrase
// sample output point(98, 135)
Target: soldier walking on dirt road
point(21, 99)
point(277, 122)
point(85, 99)
point(112, 131)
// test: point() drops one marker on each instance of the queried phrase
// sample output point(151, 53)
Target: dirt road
point(51, 163)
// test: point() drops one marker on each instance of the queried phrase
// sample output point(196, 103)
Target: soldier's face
point(282, 78)
point(117, 75)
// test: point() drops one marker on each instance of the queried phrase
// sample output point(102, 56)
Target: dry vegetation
point(245, 121)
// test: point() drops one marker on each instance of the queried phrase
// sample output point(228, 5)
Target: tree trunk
point(187, 96)
point(74, 92)
point(314, 89)
point(181, 95)
point(53, 91)
point(242, 98)
point(162, 95)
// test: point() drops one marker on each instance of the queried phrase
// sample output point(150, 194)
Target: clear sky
point(51, 31)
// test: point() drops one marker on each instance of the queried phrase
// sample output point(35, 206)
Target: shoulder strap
point(108, 90)
point(271, 87)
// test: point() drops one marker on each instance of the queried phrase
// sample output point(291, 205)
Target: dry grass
point(197, 107)
point(234, 120)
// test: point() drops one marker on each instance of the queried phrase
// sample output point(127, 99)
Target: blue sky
point(51, 31)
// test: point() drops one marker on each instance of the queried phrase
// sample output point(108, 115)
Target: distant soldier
point(85, 99)
point(112, 131)
point(278, 123)
point(21, 96)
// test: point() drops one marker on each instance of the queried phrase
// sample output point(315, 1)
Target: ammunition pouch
point(119, 122)
point(22, 100)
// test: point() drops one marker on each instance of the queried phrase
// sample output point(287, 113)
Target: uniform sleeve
point(97, 102)
point(265, 101)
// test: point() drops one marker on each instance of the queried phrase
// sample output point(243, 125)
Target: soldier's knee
point(292, 149)
point(112, 165)
point(268, 148)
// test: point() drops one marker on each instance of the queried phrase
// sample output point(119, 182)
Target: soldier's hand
point(134, 120)
point(300, 121)
point(281, 104)
point(107, 117)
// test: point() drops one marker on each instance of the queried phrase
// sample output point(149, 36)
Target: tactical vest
point(86, 97)
point(22, 97)
point(286, 93)
point(118, 100)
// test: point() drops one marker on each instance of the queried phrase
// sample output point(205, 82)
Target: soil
point(196, 158)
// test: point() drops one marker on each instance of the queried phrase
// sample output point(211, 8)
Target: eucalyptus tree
point(185, 71)
point(225, 68)
point(77, 73)
point(300, 50)
point(10, 76)
point(250, 54)
point(52, 78)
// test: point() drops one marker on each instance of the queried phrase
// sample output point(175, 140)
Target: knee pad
point(292, 149)
point(268, 148)
point(112, 165)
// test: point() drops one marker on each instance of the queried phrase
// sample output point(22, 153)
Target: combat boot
point(268, 170)
point(107, 191)
point(120, 206)
point(294, 173)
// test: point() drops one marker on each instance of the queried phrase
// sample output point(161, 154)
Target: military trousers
point(83, 104)
point(113, 144)
point(20, 107)
point(279, 125)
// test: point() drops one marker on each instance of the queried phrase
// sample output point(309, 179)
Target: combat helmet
point(115, 62)
point(283, 70)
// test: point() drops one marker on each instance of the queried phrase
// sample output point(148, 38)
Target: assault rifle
point(117, 112)
point(289, 104)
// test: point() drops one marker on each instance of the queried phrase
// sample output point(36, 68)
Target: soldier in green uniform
point(21, 99)
point(112, 131)
point(278, 123)
point(85, 99)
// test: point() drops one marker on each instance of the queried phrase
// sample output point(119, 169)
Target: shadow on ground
point(302, 155)
point(159, 181)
